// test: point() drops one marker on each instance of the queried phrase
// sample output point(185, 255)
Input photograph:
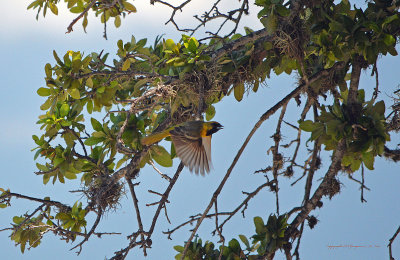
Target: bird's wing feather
point(206, 141)
point(192, 152)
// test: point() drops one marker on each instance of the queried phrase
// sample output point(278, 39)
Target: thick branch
point(393, 155)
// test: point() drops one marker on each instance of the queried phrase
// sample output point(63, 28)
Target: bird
point(192, 141)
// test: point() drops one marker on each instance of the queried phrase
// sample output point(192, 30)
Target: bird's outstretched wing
point(195, 153)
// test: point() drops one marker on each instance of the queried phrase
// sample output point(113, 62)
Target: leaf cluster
point(73, 220)
point(103, 9)
point(28, 232)
point(365, 133)
point(268, 238)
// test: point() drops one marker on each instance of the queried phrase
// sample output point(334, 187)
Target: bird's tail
point(153, 138)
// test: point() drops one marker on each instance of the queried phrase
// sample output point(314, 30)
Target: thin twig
point(87, 236)
point(136, 205)
point(376, 89)
point(362, 184)
point(221, 237)
point(159, 172)
point(359, 182)
point(245, 202)
point(165, 196)
point(277, 157)
point(193, 219)
point(302, 117)
point(391, 241)
point(296, 250)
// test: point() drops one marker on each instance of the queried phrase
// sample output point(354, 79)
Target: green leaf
point(234, 245)
point(126, 65)
point(389, 40)
point(96, 125)
point(210, 112)
point(41, 167)
point(85, 22)
point(244, 240)
point(179, 248)
point(64, 110)
point(93, 140)
point(317, 132)
point(74, 93)
point(70, 175)
point(193, 44)
point(69, 139)
point(47, 69)
point(53, 8)
point(117, 21)
point(355, 164)
point(3, 205)
point(130, 7)
point(89, 106)
point(18, 220)
point(89, 82)
point(46, 178)
point(282, 11)
point(238, 91)
point(161, 156)
point(307, 125)
point(57, 59)
point(270, 23)
point(140, 83)
point(145, 159)
point(390, 19)
point(120, 162)
point(256, 85)
point(332, 127)
point(44, 92)
point(380, 107)
point(169, 44)
point(57, 161)
point(259, 223)
point(346, 160)
point(101, 89)
point(368, 159)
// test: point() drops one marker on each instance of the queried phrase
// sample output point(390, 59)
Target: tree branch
point(69, 29)
point(87, 236)
point(391, 241)
point(57, 204)
point(136, 205)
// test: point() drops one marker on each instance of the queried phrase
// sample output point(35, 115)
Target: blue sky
point(26, 45)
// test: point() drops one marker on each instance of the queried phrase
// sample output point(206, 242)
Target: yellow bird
point(192, 141)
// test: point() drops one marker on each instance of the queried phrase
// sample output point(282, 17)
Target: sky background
point(26, 45)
